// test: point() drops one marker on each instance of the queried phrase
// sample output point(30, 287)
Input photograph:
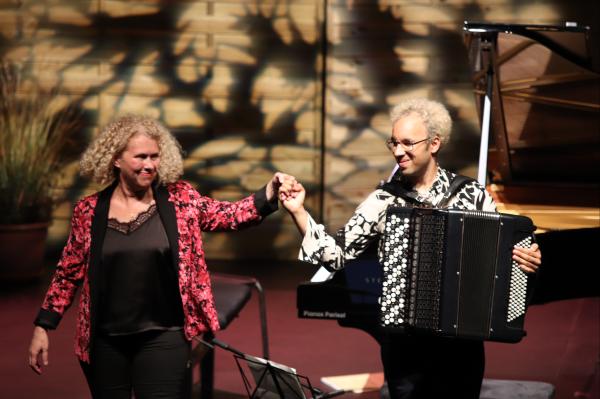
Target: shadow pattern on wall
point(250, 87)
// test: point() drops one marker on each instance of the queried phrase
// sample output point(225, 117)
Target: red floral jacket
point(184, 213)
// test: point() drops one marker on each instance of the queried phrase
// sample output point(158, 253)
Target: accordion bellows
point(451, 273)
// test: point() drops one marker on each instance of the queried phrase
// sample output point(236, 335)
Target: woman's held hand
point(280, 182)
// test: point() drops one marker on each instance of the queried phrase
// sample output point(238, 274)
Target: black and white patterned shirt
point(367, 223)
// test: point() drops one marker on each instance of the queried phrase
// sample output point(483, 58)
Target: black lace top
point(139, 288)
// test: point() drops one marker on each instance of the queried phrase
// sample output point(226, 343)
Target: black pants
point(153, 364)
point(432, 367)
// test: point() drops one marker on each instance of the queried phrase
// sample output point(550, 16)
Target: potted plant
point(34, 129)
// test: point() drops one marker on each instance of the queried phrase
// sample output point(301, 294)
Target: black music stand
point(273, 380)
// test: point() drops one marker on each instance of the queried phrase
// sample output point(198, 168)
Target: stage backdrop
point(252, 87)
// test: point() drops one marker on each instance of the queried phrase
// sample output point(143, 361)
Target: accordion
point(451, 273)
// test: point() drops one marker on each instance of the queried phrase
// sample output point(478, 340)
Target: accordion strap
point(457, 183)
point(395, 188)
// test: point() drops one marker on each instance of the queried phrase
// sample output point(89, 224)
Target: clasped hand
point(288, 190)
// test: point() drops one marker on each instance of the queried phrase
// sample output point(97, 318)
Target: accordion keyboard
point(411, 275)
point(518, 287)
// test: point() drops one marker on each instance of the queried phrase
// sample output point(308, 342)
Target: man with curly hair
point(414, 366)
point(135, 248)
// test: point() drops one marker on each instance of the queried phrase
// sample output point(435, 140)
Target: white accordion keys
point(518, 286)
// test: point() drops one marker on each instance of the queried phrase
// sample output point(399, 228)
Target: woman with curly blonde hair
point(136, 249)
point(97, 160)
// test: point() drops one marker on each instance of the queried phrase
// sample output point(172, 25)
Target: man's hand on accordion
point(529, 259)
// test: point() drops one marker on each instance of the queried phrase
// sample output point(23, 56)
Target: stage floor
point(561, 346)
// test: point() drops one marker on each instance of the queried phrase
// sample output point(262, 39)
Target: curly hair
point(98, 159)
point(433, 114)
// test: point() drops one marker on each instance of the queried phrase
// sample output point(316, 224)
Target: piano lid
point(545, 103)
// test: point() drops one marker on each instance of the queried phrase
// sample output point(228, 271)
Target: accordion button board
point(451, 273)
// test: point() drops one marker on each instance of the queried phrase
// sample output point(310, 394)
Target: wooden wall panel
point(237, 82)
point(380, 52)
point(240, 84)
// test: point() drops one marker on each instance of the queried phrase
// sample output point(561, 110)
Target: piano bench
point(231, 293)
point(510, 389)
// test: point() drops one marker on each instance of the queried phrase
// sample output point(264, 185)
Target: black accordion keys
point(451, 273)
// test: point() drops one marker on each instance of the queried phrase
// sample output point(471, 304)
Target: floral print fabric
point(194, 213)
point(367, 223)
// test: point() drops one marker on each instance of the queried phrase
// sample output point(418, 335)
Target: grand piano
point(538, 96)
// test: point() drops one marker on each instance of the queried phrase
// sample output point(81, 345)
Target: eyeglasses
point(406, 145)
